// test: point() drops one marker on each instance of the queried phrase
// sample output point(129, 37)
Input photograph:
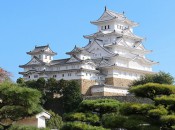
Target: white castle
point(112, 59)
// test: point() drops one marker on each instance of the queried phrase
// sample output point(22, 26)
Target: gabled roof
point(97, 44)
point(109, 15)
point(41, 49)
point(77, 50)
point(34, 61)
point(103, 63)
point(73, 58)
point(144, 60)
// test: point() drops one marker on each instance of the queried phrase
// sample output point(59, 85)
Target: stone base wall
point(107, 94)
point(86, 86)
point(118, 82)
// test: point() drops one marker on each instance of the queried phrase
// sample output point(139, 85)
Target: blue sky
point(62, 24)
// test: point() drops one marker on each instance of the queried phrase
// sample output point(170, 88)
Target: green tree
point(55, 122)
point(51, 85)
point(17, 102)
point(161, 78)
point(71, 96)
point(151, 90)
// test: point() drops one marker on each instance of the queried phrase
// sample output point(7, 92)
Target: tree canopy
point(161, 78)
point(17, 102)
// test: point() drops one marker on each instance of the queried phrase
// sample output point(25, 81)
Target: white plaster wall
point(41, 122)
point(110, 90)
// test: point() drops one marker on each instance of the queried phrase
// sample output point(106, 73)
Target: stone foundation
point(118, 82)
point(85, 86)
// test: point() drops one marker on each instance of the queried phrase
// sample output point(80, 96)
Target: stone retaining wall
point(128, 98)
point(118, 82)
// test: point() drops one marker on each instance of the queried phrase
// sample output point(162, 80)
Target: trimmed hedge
point(158, 112)
point(16, 127)
point(80, 126)
point(165, 100)
point(151, 90)
point(113, 120)
point(100, 105)
point(85, 117)
point(135, 108)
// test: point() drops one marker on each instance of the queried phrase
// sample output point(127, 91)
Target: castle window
point(62, 75)
point(101, 27)
point(45, 56)
point(50, 57)
point(108, 27)
point(69, 74)
point(105, 27)
point(29, 77)
point(54, 76)
point(39, 56)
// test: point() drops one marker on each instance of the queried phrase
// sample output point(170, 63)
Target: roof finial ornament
point(123, 12)
point(105, 8)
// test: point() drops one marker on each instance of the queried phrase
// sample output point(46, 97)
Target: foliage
point(157, 112)
point(55, 122)
point(165, 100)
point(4, 75)
point(52, 85)
point(168, 120)
point(84, 117)
point(80, 126)
point(16, 127)
point(113, 120)
point(136, 108)
point(100, 105)
point(161, 78)
point(151, 90)
point(18, 102)
point(71, 96)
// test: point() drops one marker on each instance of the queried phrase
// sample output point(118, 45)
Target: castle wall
point(118, 82)
point(85, 86)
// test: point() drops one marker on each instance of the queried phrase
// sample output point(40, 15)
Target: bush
point(135, 108)
point(113, 120)
point(151, 90)
point(55, 122)
point(84, 117)
point(158, 112)
point(80, 126)
point(165, 100)
point(15, 127)
point(100, 105)
point(161, 78)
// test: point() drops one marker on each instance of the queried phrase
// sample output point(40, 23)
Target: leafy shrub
point(100, 105)
point(161, 78)
point(15, 127)
point(151, 90)
point(113, 120)
point(156, 113)
point(55, 122)
point(136, 122)
point(80, 126)
point(85, 117)
point(168, 119)
point(135, 108)
point(165, 100)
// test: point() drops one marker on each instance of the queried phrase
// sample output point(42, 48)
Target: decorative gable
point(103, 63)
point(97, 51)
point(105, 17)
point(73, 59)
